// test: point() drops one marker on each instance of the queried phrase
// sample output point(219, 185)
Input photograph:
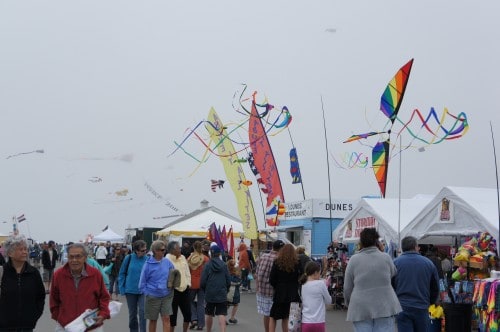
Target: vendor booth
point(108, 235)
point(465, 219)
point(455, 212)
point(196, 225)
point(384, 214)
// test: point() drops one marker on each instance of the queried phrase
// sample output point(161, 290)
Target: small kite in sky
point(217, 184)
point(122, 193)
point(21, 153)
point(246, 182)
point(95, 179)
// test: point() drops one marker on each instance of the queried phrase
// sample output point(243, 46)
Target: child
point(314, 297)
point(235, 275)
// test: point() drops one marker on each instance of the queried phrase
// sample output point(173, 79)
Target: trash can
point(458, 317)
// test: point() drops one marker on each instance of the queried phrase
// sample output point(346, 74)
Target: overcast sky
point(106, 87)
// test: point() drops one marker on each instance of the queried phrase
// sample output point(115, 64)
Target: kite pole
point(399, 194)
point(328, 169)
point(301, 182)
point(496, 173)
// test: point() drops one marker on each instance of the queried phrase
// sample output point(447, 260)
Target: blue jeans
point(135, 303)
point(198, 307)
point(245, 282)
point(383, 324)
point(113, 281)
point(413, 320)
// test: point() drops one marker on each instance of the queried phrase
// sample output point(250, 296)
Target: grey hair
point(138, 245)
point(408, 243)
point(13, 242)
point(79, 245)
point(156, 245)
point(171, 245)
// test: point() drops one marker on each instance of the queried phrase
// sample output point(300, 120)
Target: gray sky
point(94, 79)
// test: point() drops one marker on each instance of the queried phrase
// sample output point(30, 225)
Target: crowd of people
point(204, 282)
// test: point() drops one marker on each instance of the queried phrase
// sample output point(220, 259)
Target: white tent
point(456, 211)
point(382, 214)
point(108, 235)
point(197, 223)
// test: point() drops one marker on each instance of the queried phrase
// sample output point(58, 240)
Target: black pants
point(181, 300)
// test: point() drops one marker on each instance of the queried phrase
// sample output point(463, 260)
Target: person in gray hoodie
point(368, 293)
point(215, 281)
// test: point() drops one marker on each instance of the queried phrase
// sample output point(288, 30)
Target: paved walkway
point(248, 319)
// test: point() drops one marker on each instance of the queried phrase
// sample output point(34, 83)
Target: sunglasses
point(162, 249)
point(142, 250)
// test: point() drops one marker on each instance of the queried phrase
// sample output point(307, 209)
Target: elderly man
point(264, 289)
point(181, 292)
point(77, 287)
point(417, 286)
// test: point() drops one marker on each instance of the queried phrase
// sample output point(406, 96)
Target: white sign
point(355, 226)
point(319, 208)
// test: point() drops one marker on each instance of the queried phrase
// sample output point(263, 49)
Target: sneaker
point(244, 289)
point(250, 291)
point(233, 321)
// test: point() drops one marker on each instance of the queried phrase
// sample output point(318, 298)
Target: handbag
point(230, 294)
point(295, 317)
point(250, 276)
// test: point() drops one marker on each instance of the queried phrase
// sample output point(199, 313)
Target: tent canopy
point(382, 214)
point(108, 235)
point(456, 211)
point(198, 223)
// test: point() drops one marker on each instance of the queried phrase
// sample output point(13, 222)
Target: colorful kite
point(389, 105)
point(234, 174)
point(294, 166)
point(264, 161)
point(350, 160)
point(256, 173)
point(214, 184)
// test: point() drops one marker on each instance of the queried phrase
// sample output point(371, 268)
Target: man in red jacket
point(77, 287)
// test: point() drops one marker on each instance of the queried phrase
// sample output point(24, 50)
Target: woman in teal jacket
point(128, 285)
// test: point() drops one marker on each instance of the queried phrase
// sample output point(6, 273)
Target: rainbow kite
point(390, 103)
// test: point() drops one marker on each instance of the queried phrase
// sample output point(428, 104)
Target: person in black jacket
point(49, 260)
point(215, 281)
point(22, 294)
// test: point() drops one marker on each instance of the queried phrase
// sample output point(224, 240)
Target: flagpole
point(328, 169)
point(496, 174)
point(15, 229)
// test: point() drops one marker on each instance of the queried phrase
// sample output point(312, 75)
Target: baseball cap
point(278, 244)
point(215, 249)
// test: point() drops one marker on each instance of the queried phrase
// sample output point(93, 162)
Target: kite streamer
point(275, 122)
point(447, 127)
point(158, 196)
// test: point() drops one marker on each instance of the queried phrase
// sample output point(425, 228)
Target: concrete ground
point(248, 319)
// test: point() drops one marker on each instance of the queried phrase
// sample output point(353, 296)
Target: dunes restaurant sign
point(318, 208)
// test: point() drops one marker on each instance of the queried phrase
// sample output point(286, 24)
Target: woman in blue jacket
point(128, 285)
point(153, 284)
